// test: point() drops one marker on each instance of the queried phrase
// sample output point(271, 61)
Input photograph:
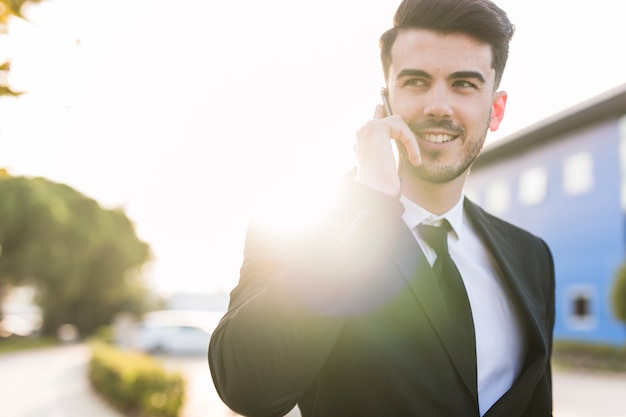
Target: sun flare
point(294, 206)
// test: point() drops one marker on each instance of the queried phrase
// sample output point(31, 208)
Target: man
point(366, 314)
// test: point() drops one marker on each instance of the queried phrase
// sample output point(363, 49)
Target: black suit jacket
point(345, 319)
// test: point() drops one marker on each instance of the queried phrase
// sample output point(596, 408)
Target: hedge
point(135, 383)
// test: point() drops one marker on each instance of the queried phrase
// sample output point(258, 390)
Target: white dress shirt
point(500, 337)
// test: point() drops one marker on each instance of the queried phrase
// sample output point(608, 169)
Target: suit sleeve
point(293, 295)
point(541, 400)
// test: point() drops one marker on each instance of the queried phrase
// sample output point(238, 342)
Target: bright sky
point(187, 114)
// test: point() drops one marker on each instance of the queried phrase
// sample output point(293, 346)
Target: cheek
point(409, 109)
point(482, 117)
point(472, 112)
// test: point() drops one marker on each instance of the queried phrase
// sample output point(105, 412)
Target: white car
point(173, 339)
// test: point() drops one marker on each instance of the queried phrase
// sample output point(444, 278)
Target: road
point(52, 382)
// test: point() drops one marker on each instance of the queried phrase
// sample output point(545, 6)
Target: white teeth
point(438, 138)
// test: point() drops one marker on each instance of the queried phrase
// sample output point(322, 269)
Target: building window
point(578, 173)
point(498, 197)
point(533, 186)
point(580, 307)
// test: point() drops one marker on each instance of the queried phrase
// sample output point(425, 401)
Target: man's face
point(443, 87)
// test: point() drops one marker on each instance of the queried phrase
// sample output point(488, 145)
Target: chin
point(435, 173)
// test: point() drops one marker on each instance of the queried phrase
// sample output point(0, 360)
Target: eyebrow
point(454, 76)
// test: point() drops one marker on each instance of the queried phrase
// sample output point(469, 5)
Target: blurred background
point(138, 137)
point(186, 115)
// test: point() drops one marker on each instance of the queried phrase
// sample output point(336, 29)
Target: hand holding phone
point(384, 93)
point(378, 166)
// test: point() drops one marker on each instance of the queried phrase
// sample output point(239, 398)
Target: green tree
point(9, 9)
point(618, 295)
point(85, 261)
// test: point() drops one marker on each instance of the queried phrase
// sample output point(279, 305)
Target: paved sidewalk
point(50, 382)
point(589, 394)
point(53, 382)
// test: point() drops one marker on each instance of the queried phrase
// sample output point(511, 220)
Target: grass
point(14, 344)
point(587, 356)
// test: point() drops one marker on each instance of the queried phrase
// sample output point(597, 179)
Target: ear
point(497, 110)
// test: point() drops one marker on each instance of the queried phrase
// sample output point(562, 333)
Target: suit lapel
point(420, 278)
point(507, 255)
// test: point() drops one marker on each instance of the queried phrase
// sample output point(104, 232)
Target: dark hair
point(480, 19)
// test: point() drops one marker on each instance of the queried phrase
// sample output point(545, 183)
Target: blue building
point(564, 179)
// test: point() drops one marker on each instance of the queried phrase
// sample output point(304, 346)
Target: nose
point(438, 103)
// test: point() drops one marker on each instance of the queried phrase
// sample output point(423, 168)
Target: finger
point(407, 141)
point(379, 113)
point(376, 167)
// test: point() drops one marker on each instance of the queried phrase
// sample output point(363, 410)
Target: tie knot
point(436, 236)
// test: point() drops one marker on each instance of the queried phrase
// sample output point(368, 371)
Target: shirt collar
point(415, 214)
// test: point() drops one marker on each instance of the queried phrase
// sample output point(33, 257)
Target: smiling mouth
point(437, 138)
point(436, 131)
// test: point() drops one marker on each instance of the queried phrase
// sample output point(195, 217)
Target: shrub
point(104, 334)
point(135, 383)
point(618, 295)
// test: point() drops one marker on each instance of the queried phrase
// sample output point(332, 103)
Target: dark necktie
point(451, 285)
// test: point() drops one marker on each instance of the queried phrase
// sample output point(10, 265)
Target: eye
point(415, 82)
point(465, 84)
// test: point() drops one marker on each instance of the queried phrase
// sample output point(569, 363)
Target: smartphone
point(384, 93)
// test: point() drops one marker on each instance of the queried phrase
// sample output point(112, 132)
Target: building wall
point(567, 191)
